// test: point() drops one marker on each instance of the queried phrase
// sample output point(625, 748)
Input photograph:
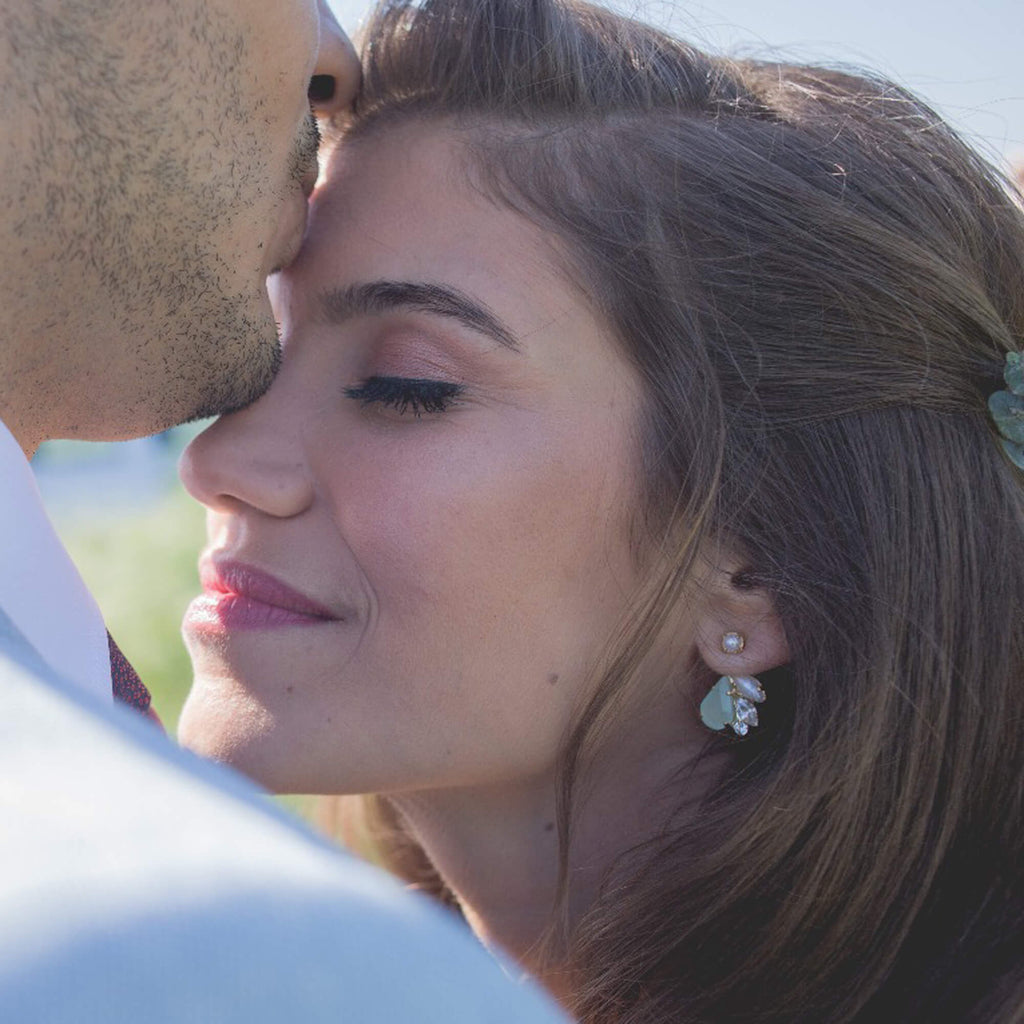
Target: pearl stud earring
point(733, 643)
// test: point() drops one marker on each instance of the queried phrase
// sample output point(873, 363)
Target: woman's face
point(419, 537)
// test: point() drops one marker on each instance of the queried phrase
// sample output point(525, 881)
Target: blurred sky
point(967, 59)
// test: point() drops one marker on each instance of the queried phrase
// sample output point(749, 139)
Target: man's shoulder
point(137, 883)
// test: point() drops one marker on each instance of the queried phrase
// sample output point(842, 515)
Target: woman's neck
point(497, 848)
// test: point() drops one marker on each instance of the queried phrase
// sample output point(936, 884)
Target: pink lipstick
point(238, 597)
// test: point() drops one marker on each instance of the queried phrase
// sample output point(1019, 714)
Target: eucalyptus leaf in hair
point(1014, 373)
point(1008, 412)
point(1007, 409)
point(1016, 453)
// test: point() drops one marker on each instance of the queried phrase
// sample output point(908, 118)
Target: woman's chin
point(226, 725)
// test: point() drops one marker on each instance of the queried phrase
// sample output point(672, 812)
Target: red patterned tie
point(128, 687)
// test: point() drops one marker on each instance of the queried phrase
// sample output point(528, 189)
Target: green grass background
point(142, 571)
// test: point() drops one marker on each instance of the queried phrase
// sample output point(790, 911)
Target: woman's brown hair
point(818, 283)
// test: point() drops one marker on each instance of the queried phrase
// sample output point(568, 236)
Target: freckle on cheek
point(553, 678)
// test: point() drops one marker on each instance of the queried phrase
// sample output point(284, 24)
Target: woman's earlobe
point(739, 635)
point(739, 631)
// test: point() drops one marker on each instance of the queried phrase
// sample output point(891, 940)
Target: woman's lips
point(239, 597)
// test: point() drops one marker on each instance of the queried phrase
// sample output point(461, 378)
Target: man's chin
point(239, 389)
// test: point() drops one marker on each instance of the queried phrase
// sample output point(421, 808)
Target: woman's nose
point(249, 460)
point(336, 78)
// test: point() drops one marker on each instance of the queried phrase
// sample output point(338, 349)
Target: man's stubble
point(129, 204)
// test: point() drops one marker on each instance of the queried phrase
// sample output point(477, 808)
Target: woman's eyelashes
point(413, 395)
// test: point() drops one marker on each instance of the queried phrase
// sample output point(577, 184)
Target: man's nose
point(336, 78)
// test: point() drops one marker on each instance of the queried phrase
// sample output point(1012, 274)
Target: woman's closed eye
point(415, 395)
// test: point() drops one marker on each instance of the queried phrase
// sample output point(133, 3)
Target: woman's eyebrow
point(375, 297)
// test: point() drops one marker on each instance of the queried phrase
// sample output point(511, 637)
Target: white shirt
point(40, 588)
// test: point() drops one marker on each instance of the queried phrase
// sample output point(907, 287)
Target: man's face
point(160, 158)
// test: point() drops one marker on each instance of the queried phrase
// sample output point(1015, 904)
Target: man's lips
point(239, 597)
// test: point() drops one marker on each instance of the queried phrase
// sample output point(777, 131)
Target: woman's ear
point(738, 631)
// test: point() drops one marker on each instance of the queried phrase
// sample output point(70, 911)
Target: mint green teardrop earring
point(731, 701)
